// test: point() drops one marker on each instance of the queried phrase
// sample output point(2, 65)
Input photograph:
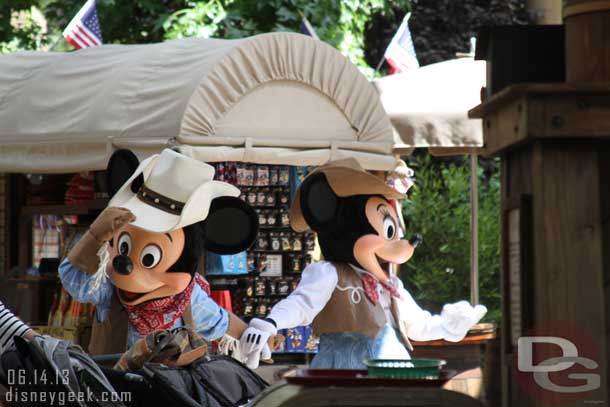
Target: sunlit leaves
point(439, 209)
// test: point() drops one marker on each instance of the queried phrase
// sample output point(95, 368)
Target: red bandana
point(370, 284)
point(162, 313)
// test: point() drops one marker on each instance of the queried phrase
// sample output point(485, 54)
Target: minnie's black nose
point(416, 240)
point(122, 264)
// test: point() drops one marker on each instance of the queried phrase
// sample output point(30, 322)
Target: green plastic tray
point(405, 369)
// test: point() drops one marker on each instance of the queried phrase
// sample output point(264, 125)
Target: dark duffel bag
point(211, 381)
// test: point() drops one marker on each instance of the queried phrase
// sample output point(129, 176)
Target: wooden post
point(587, 25)
point(474, 230)
point(554, 140)
point(555, 144)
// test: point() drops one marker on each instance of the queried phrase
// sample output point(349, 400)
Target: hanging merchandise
point(229, 264)
point(47, 237)
point(272, 266)
point(80, 189)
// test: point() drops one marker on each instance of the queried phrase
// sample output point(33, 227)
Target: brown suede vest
point(110, 335)
point(350, 310)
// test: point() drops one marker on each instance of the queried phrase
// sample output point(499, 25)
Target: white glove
point(253, 342)
point(458, 318)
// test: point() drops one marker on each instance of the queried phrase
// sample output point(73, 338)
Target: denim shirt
point(210, 319)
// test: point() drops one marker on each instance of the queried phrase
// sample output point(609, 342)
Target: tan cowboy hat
point(346, 178)
point(177, 192)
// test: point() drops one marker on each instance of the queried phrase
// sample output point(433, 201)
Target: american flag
point(84, 30)
point(400, 54)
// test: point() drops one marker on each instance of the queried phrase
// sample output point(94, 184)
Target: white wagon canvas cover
point(279, 98)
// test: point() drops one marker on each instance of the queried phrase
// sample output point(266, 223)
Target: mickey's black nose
point(122, 264)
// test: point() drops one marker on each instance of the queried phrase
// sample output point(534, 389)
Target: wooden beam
point(510, 93)
point(544, 111)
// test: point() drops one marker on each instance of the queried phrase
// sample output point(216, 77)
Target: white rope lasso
point(101, 275)
point(230, 346)
point(355, 296)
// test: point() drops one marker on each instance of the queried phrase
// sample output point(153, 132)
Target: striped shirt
point(10, 326)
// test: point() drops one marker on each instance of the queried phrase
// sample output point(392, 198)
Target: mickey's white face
point(150, 256)
point(375, 252)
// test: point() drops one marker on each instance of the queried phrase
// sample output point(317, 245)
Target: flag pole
point(380, 64)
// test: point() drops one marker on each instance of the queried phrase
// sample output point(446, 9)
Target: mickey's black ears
point(319, 203)
point(231, 226)
point(121, 167)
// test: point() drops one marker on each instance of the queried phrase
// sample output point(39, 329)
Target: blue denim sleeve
point(210, 319)
point(82, 286)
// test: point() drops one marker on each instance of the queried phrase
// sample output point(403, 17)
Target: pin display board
point(279, 255)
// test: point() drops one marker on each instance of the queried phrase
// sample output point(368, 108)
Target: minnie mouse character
point(165, 212)
point(356, 306)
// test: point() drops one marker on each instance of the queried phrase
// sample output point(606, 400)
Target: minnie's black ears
point(121, 167)
point(231, 226)
point(319, 204)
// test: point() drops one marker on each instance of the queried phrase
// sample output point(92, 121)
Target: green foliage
point(20, 27)
point(342, 24)
point(439, 208)
point(122, 22)
point(360, 29)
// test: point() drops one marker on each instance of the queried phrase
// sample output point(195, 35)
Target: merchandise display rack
point(271, 269)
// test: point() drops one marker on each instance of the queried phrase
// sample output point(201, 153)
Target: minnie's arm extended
point(452, 324)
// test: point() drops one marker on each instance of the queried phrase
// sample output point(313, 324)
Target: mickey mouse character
point(357, 307)
point(165, 212)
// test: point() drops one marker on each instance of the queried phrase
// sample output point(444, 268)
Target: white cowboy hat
point(176, 192)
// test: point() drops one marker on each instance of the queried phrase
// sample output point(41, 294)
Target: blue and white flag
point(400, 54)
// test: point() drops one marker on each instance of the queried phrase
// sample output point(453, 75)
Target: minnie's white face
point(375, 252)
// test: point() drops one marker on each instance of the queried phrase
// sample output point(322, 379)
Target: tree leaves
point(21, 27)
point(439, 208)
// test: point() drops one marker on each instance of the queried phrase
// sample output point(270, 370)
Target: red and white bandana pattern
point(371, 285)
point(162, 313)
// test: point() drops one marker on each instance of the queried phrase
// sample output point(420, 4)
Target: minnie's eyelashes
point(385, 212)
